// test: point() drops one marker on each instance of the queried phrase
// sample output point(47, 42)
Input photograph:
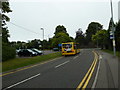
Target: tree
point(80, 37)
point(8, 52)
point(72, 39)
point(5, 35)
point(93, 27)
point(5, 31)
point(33, 44)
point(117, 36)
point(60, 38)
point(20, 45)
point(46, 44)
point(101, 37)
point(60, 28)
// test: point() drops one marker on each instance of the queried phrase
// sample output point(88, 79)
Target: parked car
point(55, 49)
point(26, 52)
point(37, 51)
point(17, 50)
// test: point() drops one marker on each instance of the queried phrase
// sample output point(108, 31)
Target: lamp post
point(43, 38)
point(113, 30)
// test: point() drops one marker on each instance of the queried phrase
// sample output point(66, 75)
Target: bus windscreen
point(67, 46)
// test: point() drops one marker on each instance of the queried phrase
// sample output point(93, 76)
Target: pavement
point(108, 71)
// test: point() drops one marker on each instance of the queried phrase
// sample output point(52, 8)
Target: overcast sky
point(73, 14)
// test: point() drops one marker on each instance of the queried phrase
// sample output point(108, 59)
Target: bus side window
point(74, 46)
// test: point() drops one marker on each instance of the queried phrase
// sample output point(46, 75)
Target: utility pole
point(43, 39)
point(113, 30)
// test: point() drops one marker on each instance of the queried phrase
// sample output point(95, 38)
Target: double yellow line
point(88, 75)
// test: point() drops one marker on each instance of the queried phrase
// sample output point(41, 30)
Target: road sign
point(60, 45)
point(111, 34)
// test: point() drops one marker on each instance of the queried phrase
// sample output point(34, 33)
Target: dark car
point(37, 51)
point(26, 52)
point(55, 49)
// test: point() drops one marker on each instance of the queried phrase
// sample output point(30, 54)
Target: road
point(63, 72)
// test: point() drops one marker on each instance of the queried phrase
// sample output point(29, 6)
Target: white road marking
point(61, 64)
point(95, 80)
point(22, 81)
point(75, 57)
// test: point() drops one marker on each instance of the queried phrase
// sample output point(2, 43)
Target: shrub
point(8, 52)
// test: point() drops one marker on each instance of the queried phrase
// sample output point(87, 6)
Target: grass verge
point(21, 62)
point(111, 52)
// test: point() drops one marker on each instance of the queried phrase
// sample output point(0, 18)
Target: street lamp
point(43, 38)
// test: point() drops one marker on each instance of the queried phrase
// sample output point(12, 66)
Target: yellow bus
point(70, 48)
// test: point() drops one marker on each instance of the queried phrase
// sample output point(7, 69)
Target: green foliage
point(18, 44)
point(72, 39)
point(5, 35)
point(80, 38)
point(117, 36)
point(5, 7)
point(101, 37)
point(111, 52)
point(7, 52)
point(45, 44)
point(4, 17)
point(59, 29)
point(93, 27)
point(33, 44)
point(60, 38)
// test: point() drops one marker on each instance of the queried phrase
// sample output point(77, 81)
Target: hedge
point(8, 52)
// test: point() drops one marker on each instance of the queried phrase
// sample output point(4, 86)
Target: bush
point(8, 52)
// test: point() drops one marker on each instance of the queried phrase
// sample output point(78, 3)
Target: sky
point(28, 16)
point(119, 10)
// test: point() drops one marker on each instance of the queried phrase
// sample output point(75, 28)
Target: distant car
point(37, 51)
point(26, 52)
point(55, 49)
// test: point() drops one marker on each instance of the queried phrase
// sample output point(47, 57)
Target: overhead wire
point(23, 28)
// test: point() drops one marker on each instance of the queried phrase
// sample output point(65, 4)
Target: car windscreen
point(36, 50)
point(67, 45)
point(29, 50)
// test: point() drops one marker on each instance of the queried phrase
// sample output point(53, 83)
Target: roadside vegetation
point(8, 52)
point(111, 52)
point(21, 62)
